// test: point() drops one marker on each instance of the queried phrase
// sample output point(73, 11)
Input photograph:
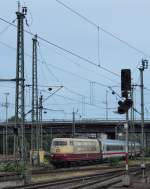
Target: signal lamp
point(124, 106)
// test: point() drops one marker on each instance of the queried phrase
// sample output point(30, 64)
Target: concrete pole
point(142, 123)
point(127, 140)
point(126, 179)
point(40, 121)
point(106, 104)
point(116, 133)
point(3, 142)
point(6, 129)
point(133, 135)
point(73, 123)
point(51, 133)
point(142, 68)
point(34, 115)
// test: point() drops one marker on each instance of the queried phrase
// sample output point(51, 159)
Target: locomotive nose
point(57, 150)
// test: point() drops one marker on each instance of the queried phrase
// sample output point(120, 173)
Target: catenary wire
point(70, 90)
point(44, 62)
point(64, 50)
point(104, 30)
point(81, 65)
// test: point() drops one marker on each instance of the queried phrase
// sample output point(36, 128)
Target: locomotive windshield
point(60, 143)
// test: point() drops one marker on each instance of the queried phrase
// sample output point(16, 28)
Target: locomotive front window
point(60, 143)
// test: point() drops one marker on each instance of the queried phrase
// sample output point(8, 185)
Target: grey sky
point(125, 18)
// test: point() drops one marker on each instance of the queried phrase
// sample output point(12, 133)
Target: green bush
point(13, 167)
point(113, 161)
point(147, 152)
point(8, 167)
point(2, 167)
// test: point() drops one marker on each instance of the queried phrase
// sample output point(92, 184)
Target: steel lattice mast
point(34, 128)
point(19, 101)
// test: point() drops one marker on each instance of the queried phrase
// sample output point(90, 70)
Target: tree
point(13, 119)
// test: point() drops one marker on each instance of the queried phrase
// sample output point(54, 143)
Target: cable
point(72, 99)
point(52, 94)
point(6, 28)
point(81, 77)
point(65, 50)
point(68, 98)
point(104, 30)
point(78, 64)
point(147, 89)
point(61, 83)
point(75, 12)
point(28, 55)
point(70, 89)
point(44, 62)
point(79, 94)
point(101, 84)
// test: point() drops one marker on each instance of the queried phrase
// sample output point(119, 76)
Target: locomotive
point(67, 151)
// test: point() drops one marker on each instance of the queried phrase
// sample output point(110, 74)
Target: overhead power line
point(102, 29)
point(78, 56)
point(74, 74)
point(6, 28)
point(79, 65)
point(77, 13)
point(56, 67)
point(64, 50)
point(74, 100)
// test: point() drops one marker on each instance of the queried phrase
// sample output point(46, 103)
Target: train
point(68, 151)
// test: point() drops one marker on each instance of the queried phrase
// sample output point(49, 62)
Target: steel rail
point(66, 181)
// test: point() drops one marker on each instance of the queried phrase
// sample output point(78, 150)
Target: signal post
point(124, 106)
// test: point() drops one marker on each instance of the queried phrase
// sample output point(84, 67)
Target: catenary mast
point(19, 100)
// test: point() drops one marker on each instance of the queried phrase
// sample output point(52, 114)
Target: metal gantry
point(19, 100)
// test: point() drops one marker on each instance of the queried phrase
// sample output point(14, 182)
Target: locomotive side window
point(82, 146)
point(60, 143)
point(114, 148)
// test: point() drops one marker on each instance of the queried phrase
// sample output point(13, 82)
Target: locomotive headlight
point(57, 150)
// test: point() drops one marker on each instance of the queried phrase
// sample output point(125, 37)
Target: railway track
point(74, 182)
point(92, 181)
point(79, 168)
point(72, 169)
point(8, 176)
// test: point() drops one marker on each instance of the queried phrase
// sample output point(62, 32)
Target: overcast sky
point(126, 19)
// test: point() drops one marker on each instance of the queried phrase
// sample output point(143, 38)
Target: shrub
point(113, 161)
point(13, 167)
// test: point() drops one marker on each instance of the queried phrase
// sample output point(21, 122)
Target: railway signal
point(124, 106)
point(125, 82)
